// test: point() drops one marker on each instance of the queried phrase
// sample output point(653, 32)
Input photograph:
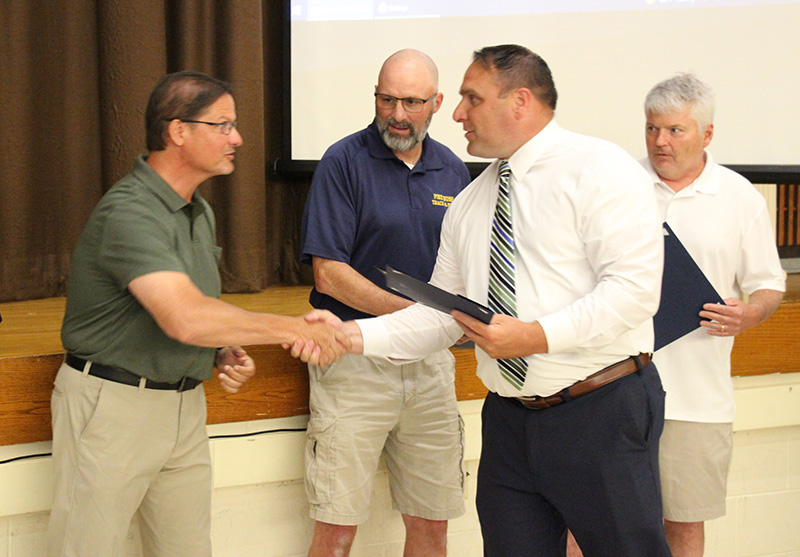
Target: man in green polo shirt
point(141, 326)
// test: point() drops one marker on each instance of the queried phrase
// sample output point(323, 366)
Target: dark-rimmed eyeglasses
point(225, 128)
point(410, 104)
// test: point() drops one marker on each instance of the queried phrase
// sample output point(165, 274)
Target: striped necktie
point(502, 298)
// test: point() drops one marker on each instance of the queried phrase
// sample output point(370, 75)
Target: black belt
point(594, 381)
point(118, 375)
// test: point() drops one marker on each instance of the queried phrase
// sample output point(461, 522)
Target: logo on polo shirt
point(442, 200)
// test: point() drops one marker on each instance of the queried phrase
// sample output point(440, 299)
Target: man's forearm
point(216, 323)
point(411, 333)
point(340, 281)
point(765, 303)
point(185, 314)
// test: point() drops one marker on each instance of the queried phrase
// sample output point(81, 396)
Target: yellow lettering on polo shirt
point(441, 200)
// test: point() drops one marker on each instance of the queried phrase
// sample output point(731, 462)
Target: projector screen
point(605, 55)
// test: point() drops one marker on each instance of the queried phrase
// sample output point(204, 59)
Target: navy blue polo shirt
point(366, 208)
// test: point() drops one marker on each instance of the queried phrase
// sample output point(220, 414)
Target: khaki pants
point(118, 448)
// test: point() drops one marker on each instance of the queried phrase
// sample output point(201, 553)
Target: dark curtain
point(76, 75)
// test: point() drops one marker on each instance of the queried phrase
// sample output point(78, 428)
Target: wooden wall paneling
point(280, 387)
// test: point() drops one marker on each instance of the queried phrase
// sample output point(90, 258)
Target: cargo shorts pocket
point(320, 459)
point(321, 374)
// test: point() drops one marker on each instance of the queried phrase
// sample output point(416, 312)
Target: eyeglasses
point(224, 128)
point(410, 104)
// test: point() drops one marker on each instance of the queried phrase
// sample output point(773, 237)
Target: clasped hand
point(504, 337)
point(235, 367)
point(323, 339)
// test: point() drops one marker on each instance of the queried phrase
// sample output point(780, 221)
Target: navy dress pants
point(590, 465)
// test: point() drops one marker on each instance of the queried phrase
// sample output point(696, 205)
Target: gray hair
point(675, 93)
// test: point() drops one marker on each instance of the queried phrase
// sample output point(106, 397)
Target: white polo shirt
point(723, 222)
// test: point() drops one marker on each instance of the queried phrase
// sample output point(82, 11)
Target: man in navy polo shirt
point(378, 198)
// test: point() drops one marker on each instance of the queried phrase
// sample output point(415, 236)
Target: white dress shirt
point(723, 223)
point(589, 258)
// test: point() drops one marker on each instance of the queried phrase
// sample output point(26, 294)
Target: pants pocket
point(320, 459)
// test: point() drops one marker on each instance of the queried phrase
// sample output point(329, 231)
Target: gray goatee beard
point(402, 143)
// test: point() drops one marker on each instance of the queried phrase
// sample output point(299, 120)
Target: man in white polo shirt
point(724, 224)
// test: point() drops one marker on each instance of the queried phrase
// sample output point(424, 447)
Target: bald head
point(413, 64)
point(406, 97)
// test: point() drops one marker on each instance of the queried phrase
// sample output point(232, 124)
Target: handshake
point(322, 338)
point(318, 338)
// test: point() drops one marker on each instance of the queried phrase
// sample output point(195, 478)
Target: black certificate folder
point(684, 291)
point(434, 297)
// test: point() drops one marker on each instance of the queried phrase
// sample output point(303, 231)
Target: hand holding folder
point(684, 291)
point(434, 297)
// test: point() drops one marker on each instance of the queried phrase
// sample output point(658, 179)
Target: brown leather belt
point(594, 381)
point(118, 375)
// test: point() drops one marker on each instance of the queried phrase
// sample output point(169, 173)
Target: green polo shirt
point(140, 226)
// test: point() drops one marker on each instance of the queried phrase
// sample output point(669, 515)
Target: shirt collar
point(702, 184)
point(153, 181)
point(429, 160)
point(526, 156)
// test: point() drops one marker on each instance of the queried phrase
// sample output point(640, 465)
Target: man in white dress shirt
point(724, 224)
point(574, 443)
